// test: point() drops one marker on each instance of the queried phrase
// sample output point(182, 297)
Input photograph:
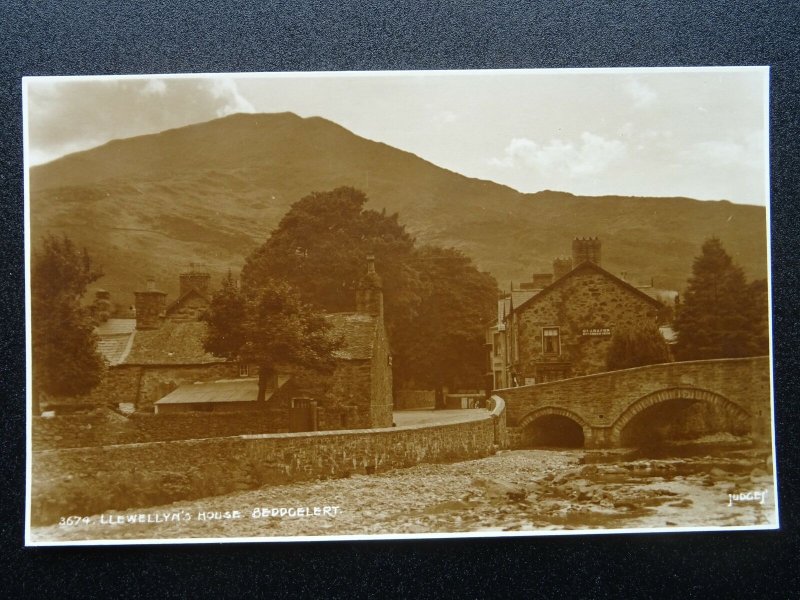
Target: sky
point(699, 133)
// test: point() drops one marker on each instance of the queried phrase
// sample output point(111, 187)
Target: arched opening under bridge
point(552, 429)
point(679, 415)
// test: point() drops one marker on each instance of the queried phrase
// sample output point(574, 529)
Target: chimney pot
point(369, 295)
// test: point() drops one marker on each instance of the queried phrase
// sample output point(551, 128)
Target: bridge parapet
point(602, 404)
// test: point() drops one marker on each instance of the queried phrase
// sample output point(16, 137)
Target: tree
point(444, 346)
point(268, 324)
point(636, 348)
point(436, 302)
point(720, 316)
point(65, 358)
point(320, 245)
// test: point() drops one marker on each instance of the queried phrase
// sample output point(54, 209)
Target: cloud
point(70, 114)
point(745, 153)
point(227, 92)
point(590, 156)
point(642, 95)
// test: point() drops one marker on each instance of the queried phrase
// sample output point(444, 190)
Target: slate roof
point(115, 339)
point(181, 343)
point(173, 343)
point(358, 332)
point(520, 297)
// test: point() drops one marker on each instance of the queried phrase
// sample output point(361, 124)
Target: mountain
point(209, 193)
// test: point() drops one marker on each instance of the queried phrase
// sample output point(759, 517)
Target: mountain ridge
point(211, 192)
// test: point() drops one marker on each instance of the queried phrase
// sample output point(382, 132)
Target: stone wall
point(87, 481)
point(357, 395)
point(157, 381)
point(76, 431)
point(584, 300)
point(119, 385)
point(381, 403)
point(104, 428)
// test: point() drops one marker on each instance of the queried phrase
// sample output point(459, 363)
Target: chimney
point(561, 266)
point(101, 307)
point(196, 279)
point(541, 280)
point(585, 250)
point(369, 294)
point(150, 305)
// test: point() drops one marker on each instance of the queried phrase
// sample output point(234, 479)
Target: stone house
point(157, 363)
point(159, 349)
point(358, 394)
point(560, 324)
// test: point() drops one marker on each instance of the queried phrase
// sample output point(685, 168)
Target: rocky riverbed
point(519, 490)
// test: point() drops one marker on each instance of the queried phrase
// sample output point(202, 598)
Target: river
point(712, 485)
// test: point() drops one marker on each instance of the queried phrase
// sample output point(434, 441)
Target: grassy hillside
point(209, 193)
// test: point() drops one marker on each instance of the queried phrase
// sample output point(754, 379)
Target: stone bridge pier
point(617, 408)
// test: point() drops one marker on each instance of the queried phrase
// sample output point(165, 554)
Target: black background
point(88, 37)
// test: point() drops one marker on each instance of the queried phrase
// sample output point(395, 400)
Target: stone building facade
point(563, 326)
point(158, 350)
point(358, 394)
point(157, 363)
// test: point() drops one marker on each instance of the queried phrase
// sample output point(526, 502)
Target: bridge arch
point(527, 422)
point(733, 412)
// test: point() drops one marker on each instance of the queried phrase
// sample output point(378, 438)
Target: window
point(551, 341)
point(244, 369)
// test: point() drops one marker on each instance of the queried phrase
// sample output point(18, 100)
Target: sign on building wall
point(602, 331)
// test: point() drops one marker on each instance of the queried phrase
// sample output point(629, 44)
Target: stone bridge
point(603, 405)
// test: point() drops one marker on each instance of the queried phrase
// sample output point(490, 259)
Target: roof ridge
point(592, 265)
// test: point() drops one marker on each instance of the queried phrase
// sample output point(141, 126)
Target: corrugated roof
point(358, 332)
point(173, 343)
point(237, 390)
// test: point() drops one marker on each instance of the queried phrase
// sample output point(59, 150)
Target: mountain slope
point(211, 192)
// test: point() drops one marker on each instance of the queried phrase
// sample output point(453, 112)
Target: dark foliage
point(268, 324)
point(636, 348)
point(444, 345)
point(721, 315)
point(436, 301)
point(65, 358)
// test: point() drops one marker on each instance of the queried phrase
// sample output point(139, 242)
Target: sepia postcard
point(386, 305)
